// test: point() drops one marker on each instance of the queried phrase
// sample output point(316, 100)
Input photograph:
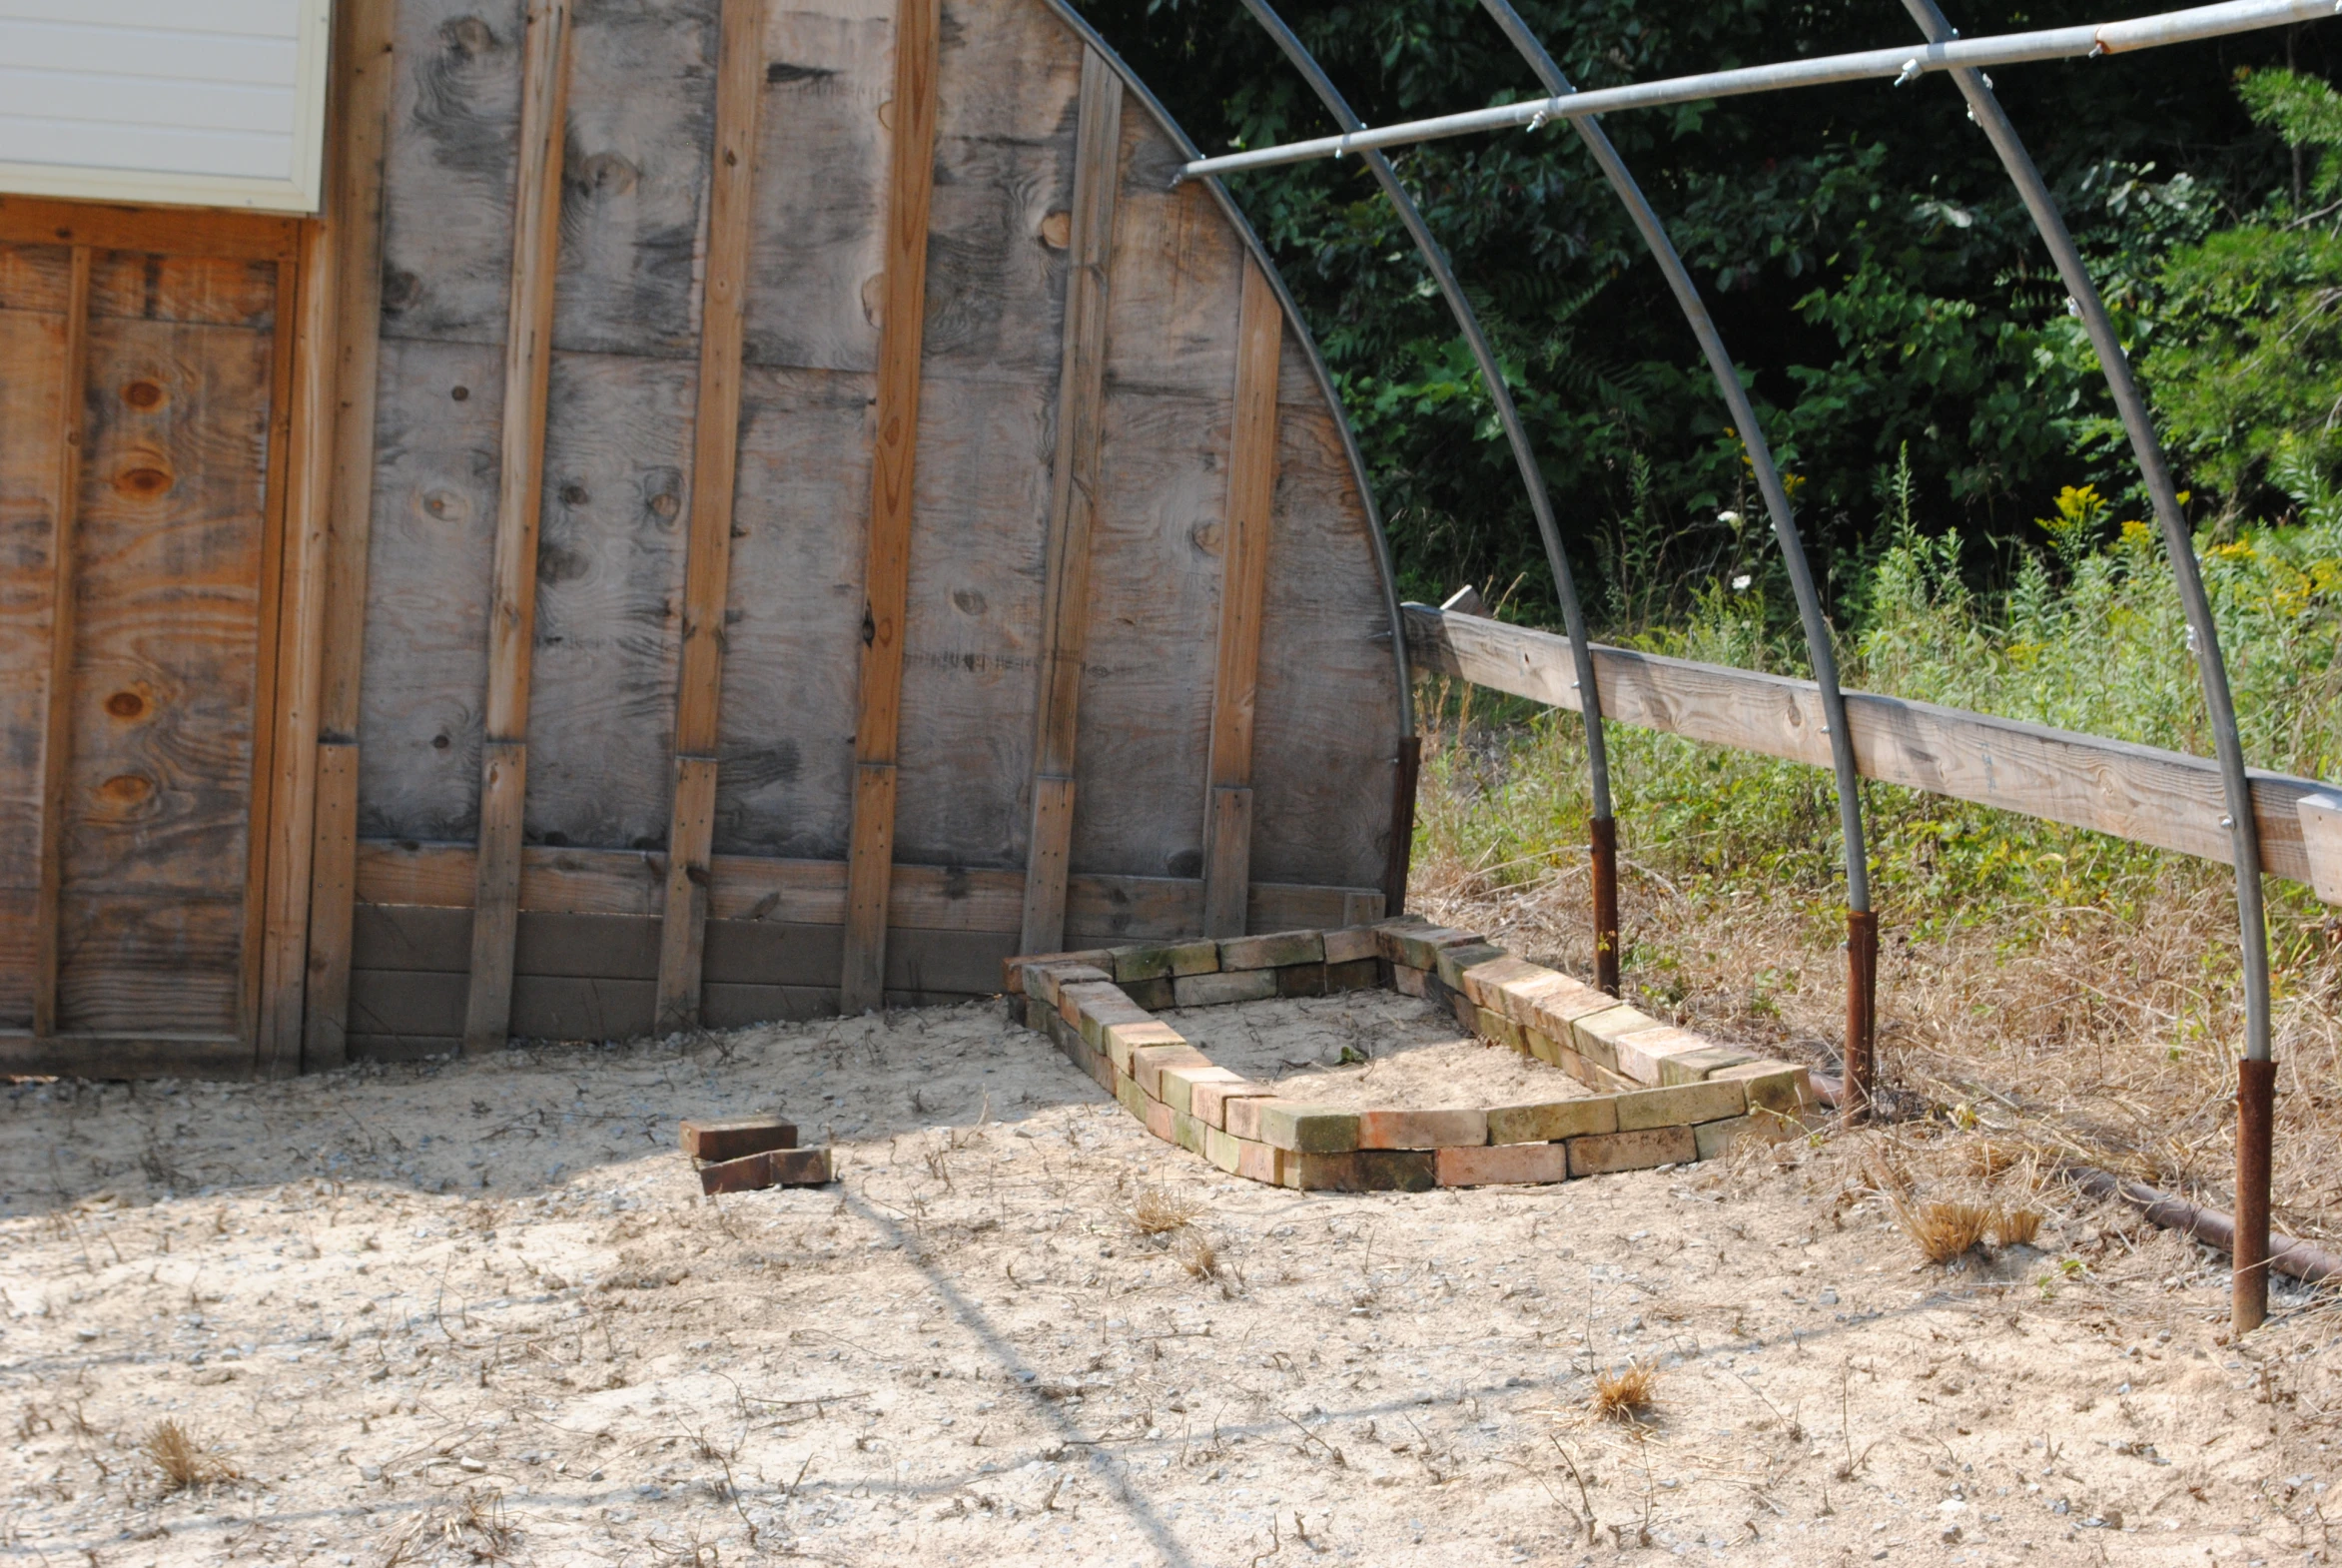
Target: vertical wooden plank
point(1072, 500)
point(911, 174)
point(714, 469)
point(512, 610)
point(66, 445)
point(1227, 841)
point(353, 205)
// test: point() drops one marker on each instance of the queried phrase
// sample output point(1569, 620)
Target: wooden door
point(144, 363)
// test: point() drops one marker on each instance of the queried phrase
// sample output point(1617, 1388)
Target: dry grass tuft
point(1627, 1395)
point(2017, 1226)
point(185, 1460)
point(1199, 1257)
point(1945, 1232)
point(1160, 1212)
point(471, 1528)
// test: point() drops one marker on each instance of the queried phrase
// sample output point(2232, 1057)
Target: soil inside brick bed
point(1403, 1053)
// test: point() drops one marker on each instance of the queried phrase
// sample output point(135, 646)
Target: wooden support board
point(895, 436)
point(714, 467)
point(519, 494)
point(1065, 617)
point(360, 108)
point(2140, 793)
point(65, 445)
point(1253, 441)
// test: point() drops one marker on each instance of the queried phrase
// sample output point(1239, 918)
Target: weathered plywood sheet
point(1326, 727)
point(794, 626)
point(634, 177)
point(818, 249)
point(448, 169)
point(147, 964)
point(1177, 272)
point(428, 575)
point(609, 583)
point(33, 283)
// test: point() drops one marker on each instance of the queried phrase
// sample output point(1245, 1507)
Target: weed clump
point(1627, 1395)
point(2017, 1226)
point(185, 1460)
point(1944, 1231)
point(1160, 1211)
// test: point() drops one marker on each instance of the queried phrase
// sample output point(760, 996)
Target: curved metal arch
point(1383, 559)
point(1573, 616)
point(1862, 928)
point(2251, 1282)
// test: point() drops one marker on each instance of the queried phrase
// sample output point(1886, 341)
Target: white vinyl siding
point(209, 103)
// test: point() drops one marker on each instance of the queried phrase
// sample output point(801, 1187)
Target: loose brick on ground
point(774, 1168)
point(731, 1137)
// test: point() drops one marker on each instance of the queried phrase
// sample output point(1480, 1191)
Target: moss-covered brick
point(1131, 1096)
point(1455, 961)
point(1680, 1105)
point(1543, 1047)
point(1317, 1172)
point(1350, 944)
point(1273, 951)
point(1442, 1129)
point(1152, 995)
point(1694, 1066)
point(1122, 1039)
point(1360, 974)
point(1417, 947)
point(1498, 1030)
point(1551, 1121)
point(1513, 1162)
point(1639, 1151)
point(1186, 1132)
point(1394, 1171)
point(1163, 959)
point(1180, 1082)
point(1147, 1063)
point(1777, 1087)
point(1222, 1150)
point(1308, 1128)
point(1300, 980)
point(1216, 989)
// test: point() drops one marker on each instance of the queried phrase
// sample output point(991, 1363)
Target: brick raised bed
point(1668, 1095)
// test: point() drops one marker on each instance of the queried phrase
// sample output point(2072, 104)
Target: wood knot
point(125, 789)
point(144, 482)
point(143, 395)
point(126, 704)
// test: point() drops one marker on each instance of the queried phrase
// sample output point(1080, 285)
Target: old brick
point(1543, 1047)
point(1498, 1030)
point(1394, 1171)
point(1350, 944)
point(1694, 1066)
point(1777, 1087)
point(1186, 1132)
point(1122, 1039)
point(773, 1167)
point(1552, 1121)
point(1163, 959)
point(1643, 1054)
point(1273, 950)
point(1596, 1035)
point(1133, 1098)
point(1681, 1106)
point(1317, 1172)
point(1364, 974)
point(1639, 1151)
point(1522, 1162)
point(1042, 980)
point(1715, 1139)
point(731, 1137)
point(1300, 980)
point(1179, 1082)
point(1466, 1015)
point(1016, 970)
point(1455, 961)
point(1158, 1119)
point(1258, 1161)
point(1241, 1115)
point(1209, 1099)
point(1306, 1128)
point(1200, 991)
point(1072, 993)
point(1408, 981)
point(1152, 995)
point(1222, 1150)
point(1440, 1129)
point(1417, 947)
point(1147, 1063)
point(1485, 983)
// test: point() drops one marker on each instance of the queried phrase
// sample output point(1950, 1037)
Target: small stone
point(1829, 1298)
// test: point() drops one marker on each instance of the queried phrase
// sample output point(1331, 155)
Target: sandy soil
point(1369, 1049)
point(478, 1310)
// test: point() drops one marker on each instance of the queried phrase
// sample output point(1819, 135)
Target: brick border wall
point(1669, 1095)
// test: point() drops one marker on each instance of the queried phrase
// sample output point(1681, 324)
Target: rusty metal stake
point(2248, 1285)
point(1862, 1011)
point(1403, 825)
point(1602, 833)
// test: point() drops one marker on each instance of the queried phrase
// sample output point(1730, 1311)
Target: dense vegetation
point(1865, 255)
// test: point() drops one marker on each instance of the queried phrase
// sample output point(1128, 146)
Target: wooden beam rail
point(2140, 793)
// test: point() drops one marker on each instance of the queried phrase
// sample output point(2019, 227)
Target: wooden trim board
point(65, 439)
point(2148, 796)
point(1065, 613)
point(708, 550)
point(360, 95)
point(1235, 690)
point(161, 231)
point(529, 344)
point(894, 461)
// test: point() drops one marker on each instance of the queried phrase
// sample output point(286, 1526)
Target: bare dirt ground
point(478, 1312)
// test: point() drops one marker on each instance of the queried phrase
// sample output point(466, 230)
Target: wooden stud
point(57, 745)
point(708, 550)
point(911, 177)
point(1064, 615)
point(1244, 586)
point(536, 241)
point(161, 231)
point(362, 95)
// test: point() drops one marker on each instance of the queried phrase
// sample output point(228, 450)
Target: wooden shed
point(732, 510)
